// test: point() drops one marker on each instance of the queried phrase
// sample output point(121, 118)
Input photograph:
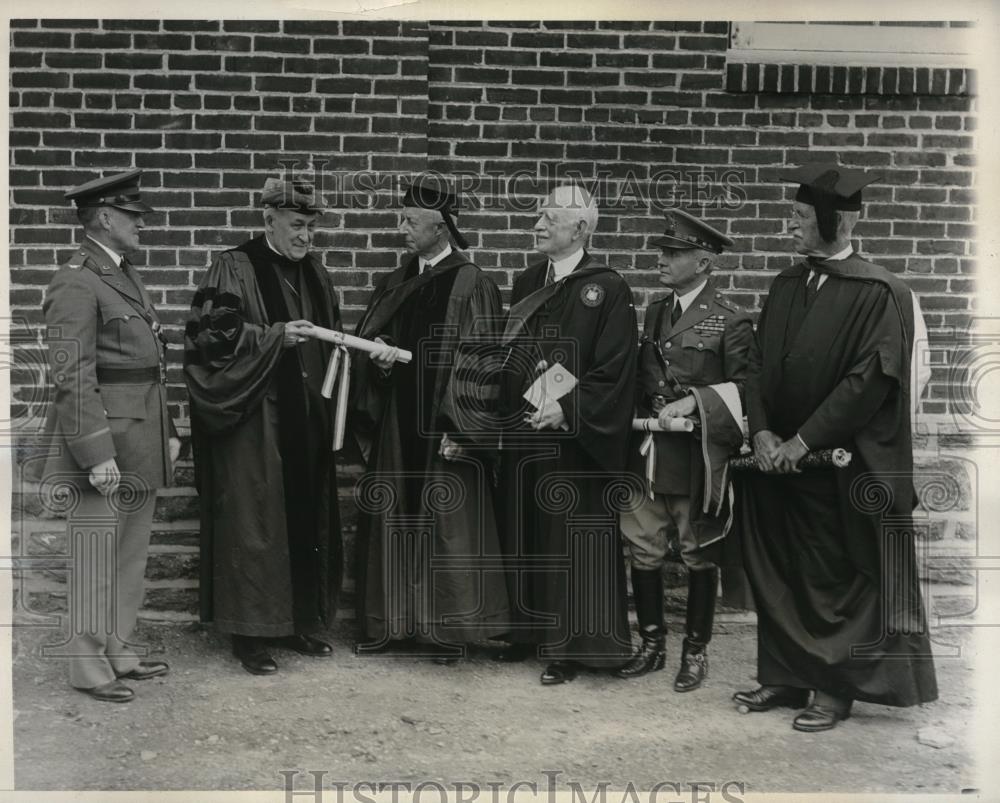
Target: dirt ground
point(210, 725)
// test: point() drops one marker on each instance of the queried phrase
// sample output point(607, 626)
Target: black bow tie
point(818, 264)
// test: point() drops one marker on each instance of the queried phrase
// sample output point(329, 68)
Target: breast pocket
point(701, 351)
point(125, 332)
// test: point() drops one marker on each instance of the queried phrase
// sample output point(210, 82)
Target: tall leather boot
point(702, 587)
point(647, 589)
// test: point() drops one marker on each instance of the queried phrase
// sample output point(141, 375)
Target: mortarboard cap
point(685, 231)
point(120, 191)
point(829, 187)
point(295, 194)
point(431, 192)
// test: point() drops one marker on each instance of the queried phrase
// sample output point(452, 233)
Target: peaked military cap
point(685, 231)
point(432, 192)
point(294, 194)
point(120, 191)
point(829, 187)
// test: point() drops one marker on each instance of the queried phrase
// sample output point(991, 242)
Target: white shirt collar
point(564, 267)
point(268, 241)
point(686, 299)
point(116, 258)
point(424, 264)
point(835, 258)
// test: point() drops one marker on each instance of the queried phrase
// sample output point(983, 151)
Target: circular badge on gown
point(592, 295)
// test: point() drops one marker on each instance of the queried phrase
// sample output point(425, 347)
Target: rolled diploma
point(655, 425)
point(352, 342)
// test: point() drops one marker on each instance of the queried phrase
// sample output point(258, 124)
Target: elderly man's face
point(682, 269)
point(290, 231)
point(804, 228)
point(122, 228)
point(421, 229)
point(559, 231)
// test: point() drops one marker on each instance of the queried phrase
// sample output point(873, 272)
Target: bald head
point(567, 218)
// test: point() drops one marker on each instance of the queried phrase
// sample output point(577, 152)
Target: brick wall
point(648, 114)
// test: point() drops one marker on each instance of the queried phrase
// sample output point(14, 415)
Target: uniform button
point(701, 345)
point(667, 345)
point(661, 383)
point(666, 362)
point(305, 374)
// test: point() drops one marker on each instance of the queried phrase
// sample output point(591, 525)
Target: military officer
point(692, 362)
point(110, 434)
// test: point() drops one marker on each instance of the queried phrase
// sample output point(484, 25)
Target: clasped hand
point(296, 332)
point(775, 456)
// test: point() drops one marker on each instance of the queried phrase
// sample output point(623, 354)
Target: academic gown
point(829, 552)
point(561, 489)
point(271, 550)
point(429, 562)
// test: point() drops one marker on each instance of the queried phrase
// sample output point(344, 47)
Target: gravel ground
point(210, 725)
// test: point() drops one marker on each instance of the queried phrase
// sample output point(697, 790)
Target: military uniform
point(707, 345)
point(106, 358)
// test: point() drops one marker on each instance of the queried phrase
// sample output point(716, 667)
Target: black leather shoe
point(767, 697)
point(305, 645)
point(694, 667)
point(513, 653)
point(253, 655)
point(113, 691)
point(558, 672)
point(445, 660)
point(822, 714)
point(146, 670)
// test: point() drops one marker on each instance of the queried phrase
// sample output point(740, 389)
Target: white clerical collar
point(430, 263)
point(564, 267)
point(686, 299)
point(116, 258)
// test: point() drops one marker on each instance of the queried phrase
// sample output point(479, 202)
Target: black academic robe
point(271, 551)
point(829, 553)
point(561, 488)
point(428, 562)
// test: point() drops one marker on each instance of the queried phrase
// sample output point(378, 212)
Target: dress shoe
point(767, 697)
point(559, 672)
point(253, 655)
point(445, 660)
point(146, 670)
point(513, 653)
point(651, 655)
point(113, 691)
point(823, 713)
point(305, 645)
point(694, 667)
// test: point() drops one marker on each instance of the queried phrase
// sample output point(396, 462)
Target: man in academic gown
point(829, 552)
point(271, 549)
point(429, 566)
point(114, 442)
point(692, 363)
point(563, 459)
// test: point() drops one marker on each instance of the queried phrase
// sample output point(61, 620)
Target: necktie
point(812, 287)
point(675, 313)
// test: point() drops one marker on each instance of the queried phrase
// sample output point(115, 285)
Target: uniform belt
point(121, 376)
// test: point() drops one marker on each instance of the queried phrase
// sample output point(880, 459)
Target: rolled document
point(352, 342)
point(822, 458)
point(655, 425)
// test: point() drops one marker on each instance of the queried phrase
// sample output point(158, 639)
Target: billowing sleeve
point(470, 400)
point(599, 409)
point(736, 344)
point(229, 352)
point(70, 310)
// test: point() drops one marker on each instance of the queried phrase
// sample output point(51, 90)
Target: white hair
point(574, 198)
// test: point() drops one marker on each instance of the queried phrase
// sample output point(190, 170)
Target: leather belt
point(122, 376)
